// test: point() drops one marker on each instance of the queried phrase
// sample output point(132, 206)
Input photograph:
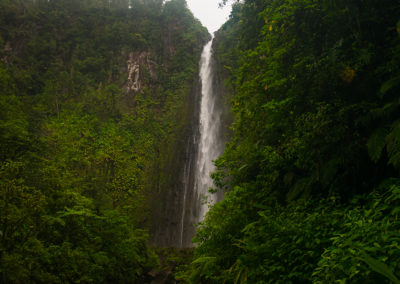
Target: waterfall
point(204, 146)
point(186, 200)
point(210, 144)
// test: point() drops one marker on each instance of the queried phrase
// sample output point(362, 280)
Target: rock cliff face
point(137, 65)
point(169, 228)
point(6, 51)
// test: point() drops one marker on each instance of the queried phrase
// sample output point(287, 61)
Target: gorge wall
point(185, 200)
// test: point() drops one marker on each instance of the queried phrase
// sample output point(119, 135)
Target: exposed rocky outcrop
point(138, 65)
point(6, 52)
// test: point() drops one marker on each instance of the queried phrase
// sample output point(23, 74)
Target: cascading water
point(185, 203)
point(210, 145)
point(204, 146)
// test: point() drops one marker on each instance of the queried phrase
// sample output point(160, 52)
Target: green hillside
point(92, 96)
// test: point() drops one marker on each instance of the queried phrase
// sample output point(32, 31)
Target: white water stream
point(188, 204)
point(210, 145)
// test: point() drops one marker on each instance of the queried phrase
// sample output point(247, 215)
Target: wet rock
point(137, 64)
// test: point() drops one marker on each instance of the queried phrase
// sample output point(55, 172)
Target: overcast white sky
point(209, 14)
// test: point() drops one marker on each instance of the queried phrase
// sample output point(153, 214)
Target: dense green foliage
point(312, 172)
point(79, 153)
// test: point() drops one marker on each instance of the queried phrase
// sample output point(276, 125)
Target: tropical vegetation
point(312, 173)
